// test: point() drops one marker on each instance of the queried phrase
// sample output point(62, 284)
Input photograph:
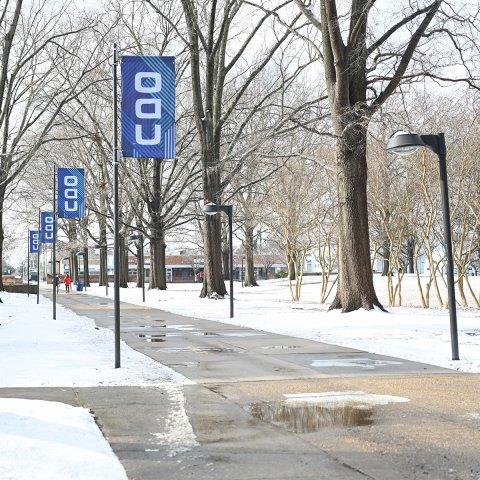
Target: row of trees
point(275, 105)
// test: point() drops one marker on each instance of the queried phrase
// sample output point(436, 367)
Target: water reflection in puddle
point(229, 334)
point(305, 417)
point(183, 364)
point(153, 337)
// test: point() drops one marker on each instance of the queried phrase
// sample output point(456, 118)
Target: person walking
point(67, 281)
point(57, 282)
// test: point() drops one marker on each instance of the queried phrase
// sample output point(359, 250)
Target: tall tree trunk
point(411, 255)
point(74, 265)
point(290, 266)
point(158, 274)
point(213, 281)
point(250, 280)
point(139, 266)
point(355, 285)
point(86, 266)
point(123, 262)
point(386, 259)
point(2, 238)
point(103, 278)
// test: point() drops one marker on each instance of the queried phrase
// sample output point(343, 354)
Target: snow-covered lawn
point(411, 333)
point(49, 440)
point(36, 351)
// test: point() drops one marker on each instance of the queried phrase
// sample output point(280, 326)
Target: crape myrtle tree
point(368, 52)
point(39, 74)
point(229, 45)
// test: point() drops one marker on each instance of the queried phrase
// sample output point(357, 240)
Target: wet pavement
point(269, 406)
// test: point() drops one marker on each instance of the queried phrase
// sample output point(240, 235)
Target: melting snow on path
point(177, 434)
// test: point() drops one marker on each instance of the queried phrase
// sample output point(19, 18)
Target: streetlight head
point(211, 208)
point(404, 143)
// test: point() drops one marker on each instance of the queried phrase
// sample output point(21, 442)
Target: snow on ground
point(411, 333)
point(36, 351)
point(50, 440)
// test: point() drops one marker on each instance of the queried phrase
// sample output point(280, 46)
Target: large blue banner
point(33, 241)
point(71, 193)
point(46, 227)
point(148, 107)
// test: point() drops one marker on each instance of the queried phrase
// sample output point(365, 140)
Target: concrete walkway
point(244, 429)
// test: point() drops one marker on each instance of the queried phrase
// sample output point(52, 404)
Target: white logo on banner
point(141, 102)
point(70, 182)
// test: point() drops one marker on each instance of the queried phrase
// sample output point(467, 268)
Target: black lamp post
point(403, 143)
point(139, 237)
point(213, 209)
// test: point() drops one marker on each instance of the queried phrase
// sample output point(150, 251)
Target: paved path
point(246, 432)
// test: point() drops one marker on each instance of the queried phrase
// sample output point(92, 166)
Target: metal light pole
point(116, 254)
point(54, 250)
point(213, 209)
point(404, 144)
point(28, 264)
point(38, 259)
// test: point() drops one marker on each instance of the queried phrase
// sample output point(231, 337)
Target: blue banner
point(148, 107)
point(33, 241)
point(46, 227)
point(71, 193)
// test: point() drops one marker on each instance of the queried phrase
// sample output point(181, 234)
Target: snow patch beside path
point(50, 440)
point(36, 351)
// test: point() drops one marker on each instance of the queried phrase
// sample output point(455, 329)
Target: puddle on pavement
point(183, 364)
point(229, 334)
point(364, 363)
point(309, 412)
point(183, 327)
point(153, 337)
point(140, 327)
point(199, 349)
point(308, 417)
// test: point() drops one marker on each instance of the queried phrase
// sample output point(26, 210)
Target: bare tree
point(40, 74)
point(363, 67)
point(224, 99)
